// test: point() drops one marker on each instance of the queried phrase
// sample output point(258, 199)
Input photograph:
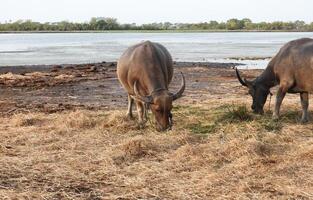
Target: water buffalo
point(292, 70)
point(145, 70)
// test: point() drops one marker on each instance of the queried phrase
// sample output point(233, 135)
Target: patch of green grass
point(191, 110)
point(290, 116)
point(271, 125)
point(234, 114)
point(180, 108)
point(208, 121)
point(199, 128)
point(196, 119)
point(240, 113)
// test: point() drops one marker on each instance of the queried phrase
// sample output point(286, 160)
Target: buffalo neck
point(155, 83)
point(267, 78)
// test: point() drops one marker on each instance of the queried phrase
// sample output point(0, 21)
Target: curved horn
point(144, 99)
point(181, 90)
point(243, 82)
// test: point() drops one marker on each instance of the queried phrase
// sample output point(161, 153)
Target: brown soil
point(95, 86)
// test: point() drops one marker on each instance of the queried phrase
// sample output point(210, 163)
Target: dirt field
point(64, 135)
point(94, 86)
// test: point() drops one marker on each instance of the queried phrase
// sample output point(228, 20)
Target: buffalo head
point(160, 103)
point(258, 91)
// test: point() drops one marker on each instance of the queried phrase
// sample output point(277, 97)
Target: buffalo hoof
point(130, 116)
point(141, 125)
point(275, 117)
point(304, 120)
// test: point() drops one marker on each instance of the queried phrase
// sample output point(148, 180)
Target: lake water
point(72, 48)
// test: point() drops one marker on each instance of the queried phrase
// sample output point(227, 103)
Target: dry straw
point(220, 151)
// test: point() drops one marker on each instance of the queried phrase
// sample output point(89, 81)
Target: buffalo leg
point(305, 104)
point(141, 112)
point(130, 107)
point(279, 99)
point(146, 112)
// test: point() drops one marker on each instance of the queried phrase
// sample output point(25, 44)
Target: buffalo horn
point(243, 82)
point(181, 90)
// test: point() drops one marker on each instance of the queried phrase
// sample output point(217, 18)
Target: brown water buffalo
point(292, 70)
point(145, 70)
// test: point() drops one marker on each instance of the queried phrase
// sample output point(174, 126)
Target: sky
point(148, 11)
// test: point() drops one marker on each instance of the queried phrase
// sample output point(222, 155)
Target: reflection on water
point(64, 48)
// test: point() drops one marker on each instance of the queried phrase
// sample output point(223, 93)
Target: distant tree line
point(107, 23)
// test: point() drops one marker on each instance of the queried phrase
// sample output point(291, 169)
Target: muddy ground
point(95, 86)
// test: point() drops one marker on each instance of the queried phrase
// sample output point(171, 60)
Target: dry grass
point(217, 150)
point(34, 79)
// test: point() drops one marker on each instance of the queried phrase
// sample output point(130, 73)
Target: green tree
point(234, 24)
point(246, 23)
point(107, 23)
point(299, 25)
point(213, 25)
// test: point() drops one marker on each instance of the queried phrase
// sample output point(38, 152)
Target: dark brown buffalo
point(292, 70)
point(145, 70)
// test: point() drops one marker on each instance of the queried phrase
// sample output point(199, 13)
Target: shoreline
point(158, 31)
point(20, 69)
